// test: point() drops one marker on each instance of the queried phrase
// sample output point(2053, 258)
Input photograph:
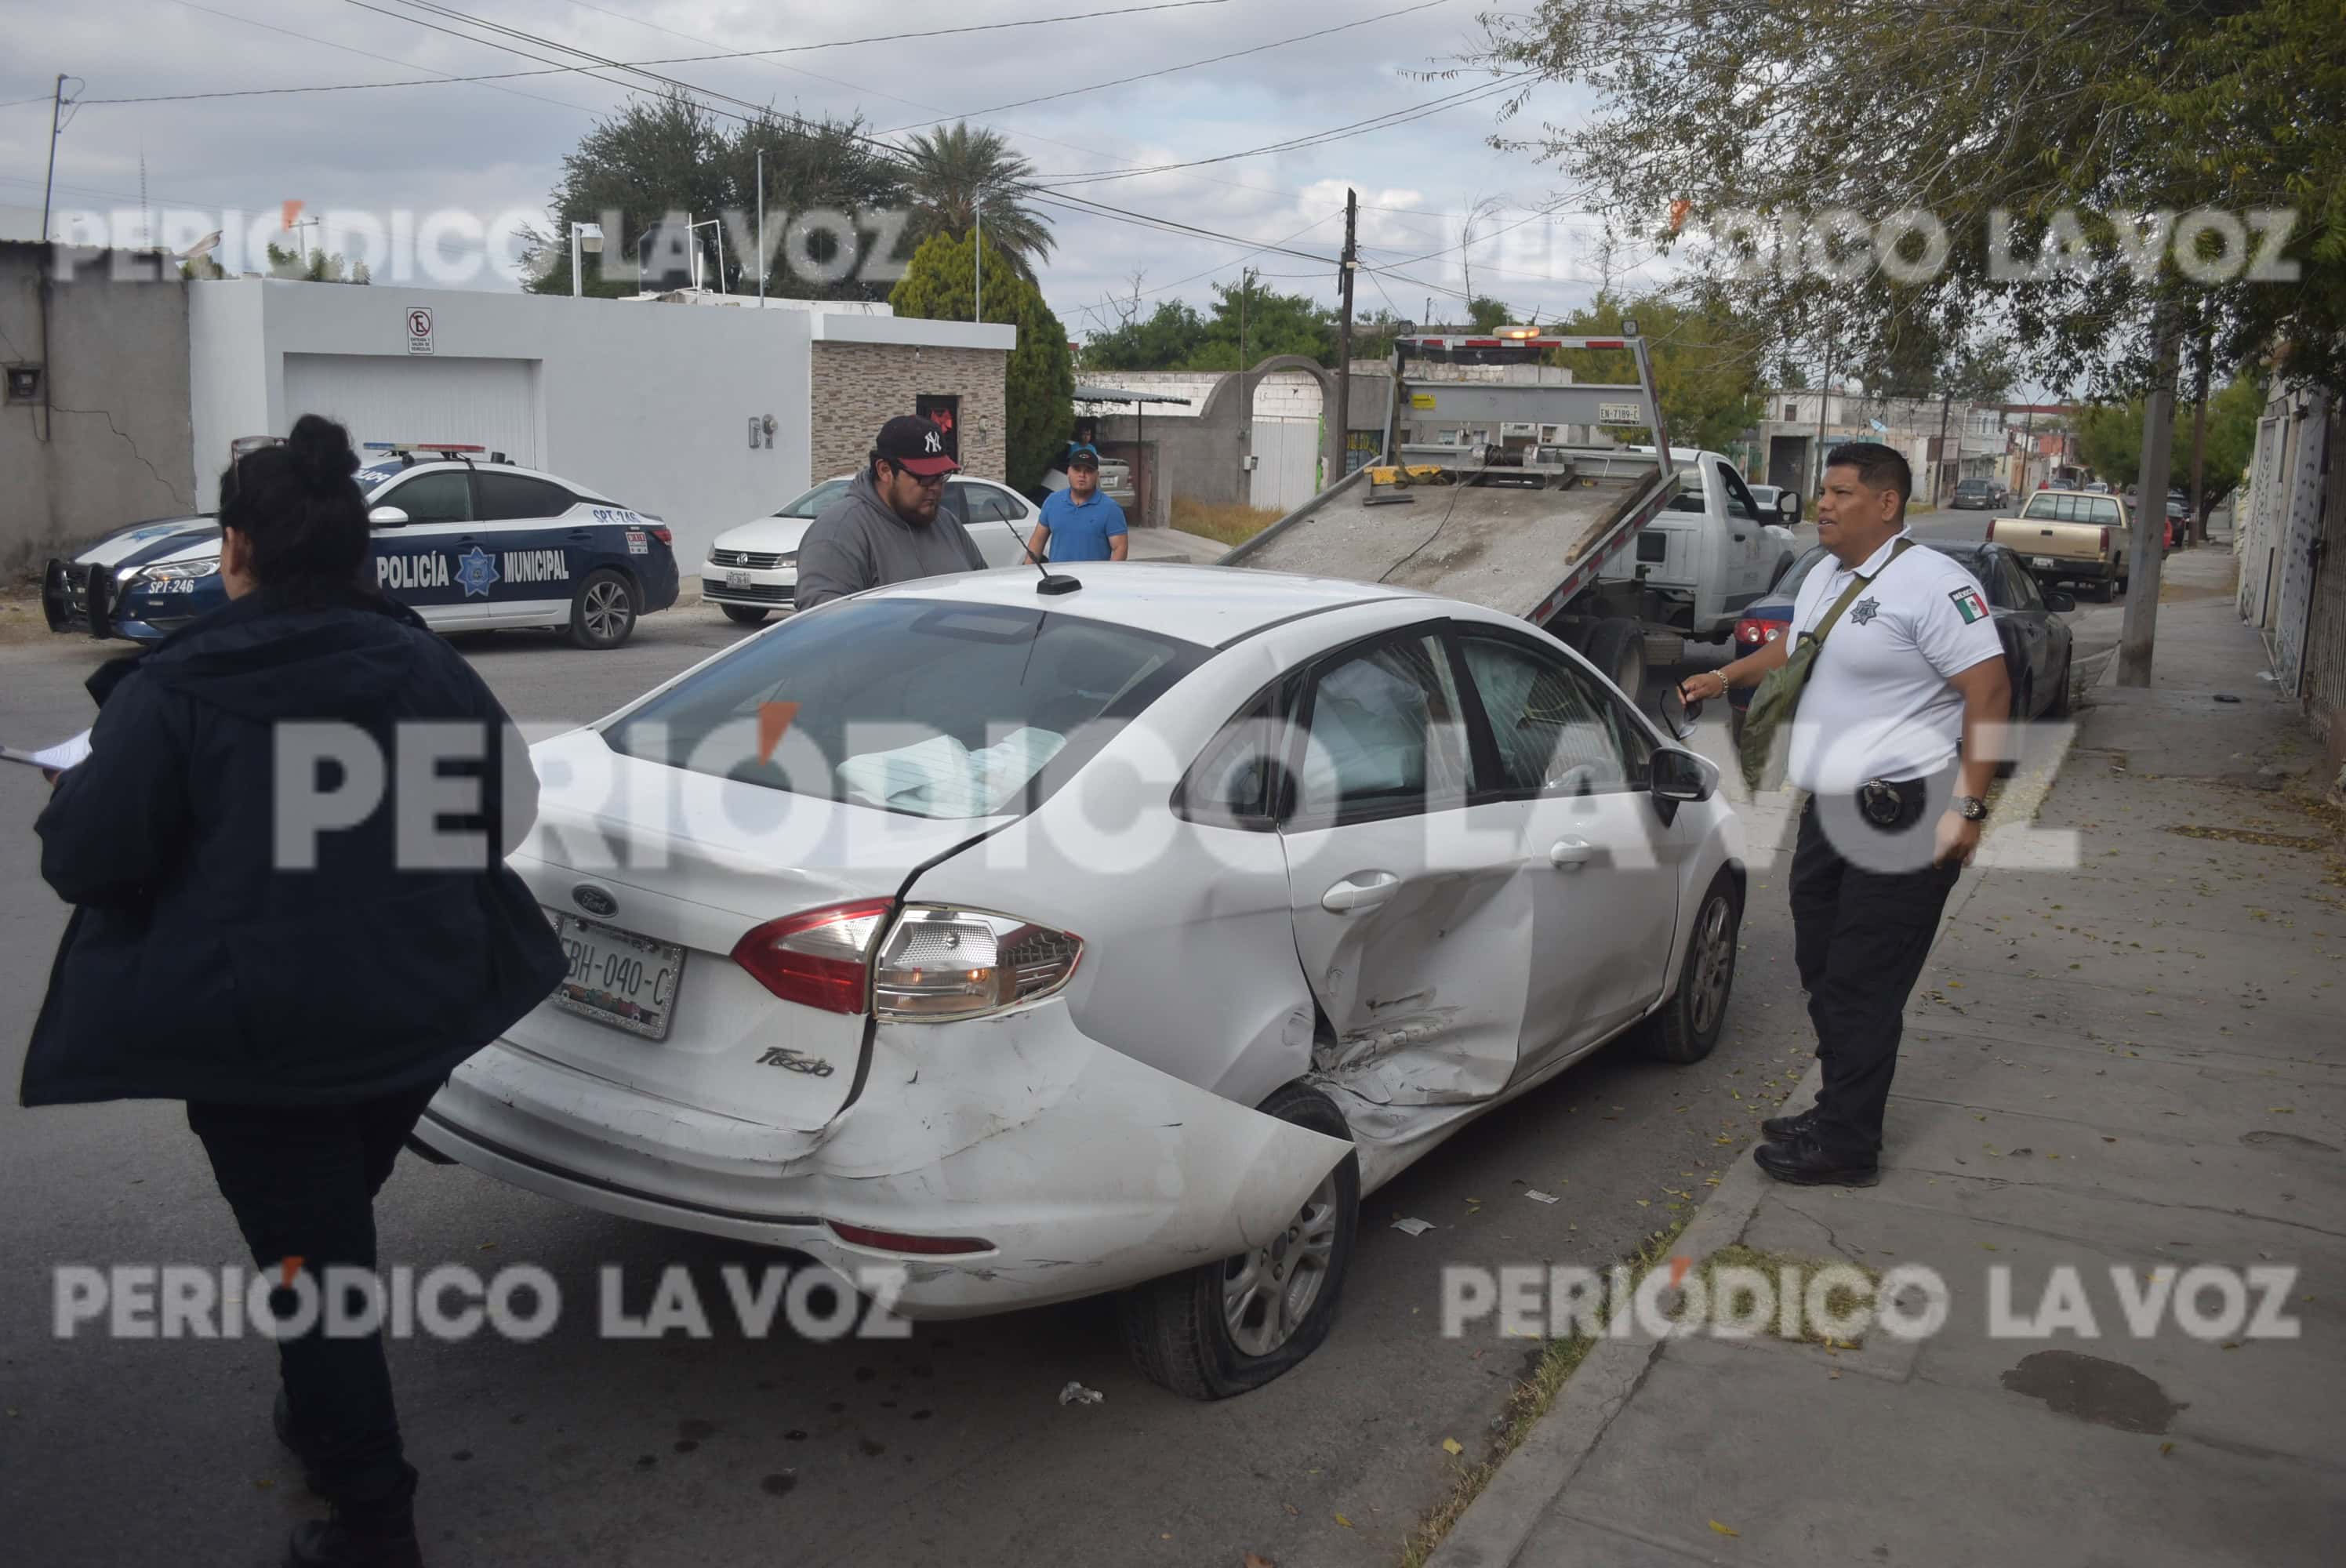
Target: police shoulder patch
point(1968, 604)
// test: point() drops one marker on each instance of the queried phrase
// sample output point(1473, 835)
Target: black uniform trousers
point(1866, 902)
point(302, 1182)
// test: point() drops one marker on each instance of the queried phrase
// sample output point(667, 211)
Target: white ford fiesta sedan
point(753, 570)
point(1036, 945)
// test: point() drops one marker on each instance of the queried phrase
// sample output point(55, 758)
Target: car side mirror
point(1671, 709)
point(1683, 776)
point(1790, 505)
point(386, 517)
point(2058, 602)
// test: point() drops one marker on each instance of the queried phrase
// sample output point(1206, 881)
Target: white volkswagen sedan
point(753, 570)
point(1036, 945)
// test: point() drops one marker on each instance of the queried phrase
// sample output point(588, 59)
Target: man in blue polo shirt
point(1078, 522)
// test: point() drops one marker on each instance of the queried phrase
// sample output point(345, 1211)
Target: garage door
point(484, 403)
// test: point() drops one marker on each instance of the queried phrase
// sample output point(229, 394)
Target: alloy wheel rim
point(606, 610)
point(1712, 960)
point(1269, 1292)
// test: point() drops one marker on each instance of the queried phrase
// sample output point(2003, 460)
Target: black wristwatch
point(1972, 807)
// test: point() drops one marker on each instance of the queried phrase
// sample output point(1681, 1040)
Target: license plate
point(737, 579)
point(617, 977)
point(2042, 563)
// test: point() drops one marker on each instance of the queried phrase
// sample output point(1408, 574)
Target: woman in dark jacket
point(265, 927)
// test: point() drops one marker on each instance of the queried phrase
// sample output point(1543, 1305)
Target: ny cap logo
point(933, 442)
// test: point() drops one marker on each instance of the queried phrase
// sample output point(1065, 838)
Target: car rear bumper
point(2077, 570)
point(1081, 1169)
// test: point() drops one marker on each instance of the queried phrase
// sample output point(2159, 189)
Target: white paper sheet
point(55, 759)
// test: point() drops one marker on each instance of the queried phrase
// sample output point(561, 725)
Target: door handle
point(1570, 854)
point(1740, 537)
point(1361, 891)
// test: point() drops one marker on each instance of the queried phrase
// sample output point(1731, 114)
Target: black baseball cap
point(914, 444)
point(1084, 456)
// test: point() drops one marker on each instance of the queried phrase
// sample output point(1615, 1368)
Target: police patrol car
point(461, 536)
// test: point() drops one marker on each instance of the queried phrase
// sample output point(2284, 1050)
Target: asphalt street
point(949, 1446)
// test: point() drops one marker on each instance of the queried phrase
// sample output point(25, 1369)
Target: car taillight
point(665, 535)
point(899, 1241)
point(2106, 541)
point(935, 964)
point(1757, 631)
point(818, 958)
point(939, 963)
point(1991, 528)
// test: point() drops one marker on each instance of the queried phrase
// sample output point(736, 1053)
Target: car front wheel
point(603, 611)
point(1225, 1328)
point(1688, 1024)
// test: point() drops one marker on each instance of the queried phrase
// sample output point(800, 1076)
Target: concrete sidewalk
point(2137, 1064)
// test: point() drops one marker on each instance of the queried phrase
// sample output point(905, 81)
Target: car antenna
point(1053, 581)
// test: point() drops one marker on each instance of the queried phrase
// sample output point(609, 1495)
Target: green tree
point(1706, 364)
point(1261, 322)
point(1169, 335)
point(940, 285)
point(2109, 440)
point(317, 267)
point(1486, 314)
point(955, 172)
point(666, 156)
point(1998, 117)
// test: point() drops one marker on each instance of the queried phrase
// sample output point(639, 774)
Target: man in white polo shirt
point(1894, 742)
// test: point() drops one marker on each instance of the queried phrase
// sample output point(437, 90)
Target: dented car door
point(1410, 919)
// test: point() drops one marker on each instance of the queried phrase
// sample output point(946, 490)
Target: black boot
point(375, 1533)
point(281, 1418)
point(1805, 1162)
point(1786, 1129)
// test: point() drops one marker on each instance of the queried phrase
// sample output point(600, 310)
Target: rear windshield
point(945, 710)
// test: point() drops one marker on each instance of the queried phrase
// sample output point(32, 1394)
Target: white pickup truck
point(1488, 498)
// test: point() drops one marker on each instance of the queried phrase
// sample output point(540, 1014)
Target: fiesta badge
point(594, 900)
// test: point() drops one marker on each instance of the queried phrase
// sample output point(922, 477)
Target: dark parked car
point(2036, 641)
point(1980, 495)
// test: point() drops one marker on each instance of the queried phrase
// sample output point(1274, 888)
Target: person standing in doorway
point(1079, 523)
point(1894, 741)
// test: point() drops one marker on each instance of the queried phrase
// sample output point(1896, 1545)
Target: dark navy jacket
point(194, 967)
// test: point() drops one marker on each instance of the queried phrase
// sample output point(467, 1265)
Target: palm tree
point(955, 170)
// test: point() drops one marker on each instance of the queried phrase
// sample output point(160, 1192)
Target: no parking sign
point(419, 329)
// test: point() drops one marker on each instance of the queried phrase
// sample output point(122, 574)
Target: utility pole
point(1343, 420)
point(1246, 398)
point(977, 259)
point(1824, 405)
point(48, 184)
point(762, 227)
point(2199, 439)
point(2148, 543)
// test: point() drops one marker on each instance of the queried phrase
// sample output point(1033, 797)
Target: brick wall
point(859, 387)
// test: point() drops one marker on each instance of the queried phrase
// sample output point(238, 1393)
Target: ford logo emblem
point(594, 900)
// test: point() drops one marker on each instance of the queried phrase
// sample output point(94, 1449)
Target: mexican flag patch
point(1969, 604)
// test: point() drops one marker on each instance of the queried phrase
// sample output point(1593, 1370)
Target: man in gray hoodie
point(889, 527)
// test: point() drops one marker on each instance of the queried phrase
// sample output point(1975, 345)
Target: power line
point(1185, 65)
point(556, 68)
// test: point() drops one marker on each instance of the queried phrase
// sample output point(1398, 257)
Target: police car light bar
point(452, 450)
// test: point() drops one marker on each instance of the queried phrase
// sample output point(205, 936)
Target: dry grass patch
point(1231, 524)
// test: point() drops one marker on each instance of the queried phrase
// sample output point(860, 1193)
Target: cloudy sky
point(486, 151)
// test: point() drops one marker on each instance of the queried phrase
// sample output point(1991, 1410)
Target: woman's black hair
point(302, 510)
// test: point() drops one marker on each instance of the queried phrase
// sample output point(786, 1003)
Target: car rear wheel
point(2105, 590)
point(603, 611)
point(1688, 1024)
point(1617, 648)
point(744, 614)
point(1225, 1328)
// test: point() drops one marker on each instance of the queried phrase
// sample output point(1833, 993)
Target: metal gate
point(2299, 528)
point(480, 402)
point(1287, 464)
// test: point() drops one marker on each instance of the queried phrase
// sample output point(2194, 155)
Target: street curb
point(1496, 1524)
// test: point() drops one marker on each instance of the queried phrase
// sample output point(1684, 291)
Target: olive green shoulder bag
point(1772, 706)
